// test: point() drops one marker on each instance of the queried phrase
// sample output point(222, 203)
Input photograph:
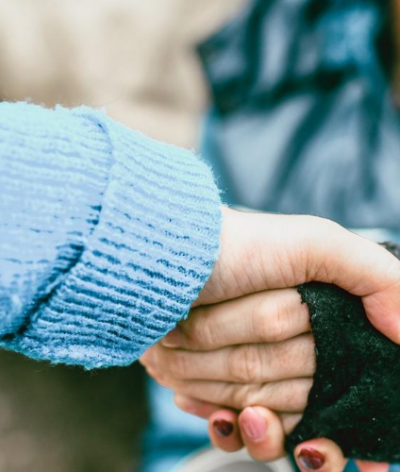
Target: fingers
point(320, 455)
point(263, 252)
point(258, 318)
point(363, 268)
point(195, 407)
point(367, 466)
point(287, 396)
point(250, 363)
point(323, 455)
point(290, 421)
point(262, 432)
point(366, 269)
point(224, 431)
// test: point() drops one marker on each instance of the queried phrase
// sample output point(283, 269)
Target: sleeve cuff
point(147, 259)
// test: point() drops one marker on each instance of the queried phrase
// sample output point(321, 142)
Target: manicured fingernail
point(253, 424)
point(223, 428)
point(174, 338)
point(311, 459)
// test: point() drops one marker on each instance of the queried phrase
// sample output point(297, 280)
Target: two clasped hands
point(244, 359)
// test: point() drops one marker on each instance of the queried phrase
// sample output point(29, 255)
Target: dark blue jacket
point(303, 119)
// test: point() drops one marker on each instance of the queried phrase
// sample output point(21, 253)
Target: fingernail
point(174, 338)
point(223, 428)
point(311, 459)
point(253, 424)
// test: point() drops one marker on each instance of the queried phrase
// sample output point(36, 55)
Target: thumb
point(363, 268)
point(321, 455)
point(264, 251)
point(317, 249)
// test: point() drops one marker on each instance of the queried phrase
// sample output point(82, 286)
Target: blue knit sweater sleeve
point(106, 236)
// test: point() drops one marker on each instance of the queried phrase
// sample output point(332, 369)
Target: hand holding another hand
point(264, 252)
point(254, 352)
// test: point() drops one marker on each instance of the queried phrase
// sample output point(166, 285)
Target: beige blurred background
point(136, 60)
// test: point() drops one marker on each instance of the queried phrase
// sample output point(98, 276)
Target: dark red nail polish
point(311, 459)
point(223, 428)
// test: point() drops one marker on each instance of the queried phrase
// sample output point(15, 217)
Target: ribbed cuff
point(147, 259)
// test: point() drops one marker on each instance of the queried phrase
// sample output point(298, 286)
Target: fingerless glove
point(355, 398)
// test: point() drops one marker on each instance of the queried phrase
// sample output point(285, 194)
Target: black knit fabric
point(355, 398)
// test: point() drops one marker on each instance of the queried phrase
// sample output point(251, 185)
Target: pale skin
point(255, 349)
point(270, 445)
point(269, 362)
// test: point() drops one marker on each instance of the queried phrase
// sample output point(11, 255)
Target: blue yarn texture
point(106, 236)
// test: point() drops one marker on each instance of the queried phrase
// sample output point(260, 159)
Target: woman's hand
point(268, 341)
point(263, 252)
point(256, 350)
point(262, 432)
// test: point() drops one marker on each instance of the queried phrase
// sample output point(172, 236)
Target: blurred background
point(132, 58)
point(136, 60)
point(304, 120)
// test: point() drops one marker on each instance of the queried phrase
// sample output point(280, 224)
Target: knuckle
point(260, 322)
point(240, 396)
point(244, 364)
point(270, 319)
point(279, 322)
point(177, 365)
point(392, 272)
point(199, 333)
point(322, 225)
